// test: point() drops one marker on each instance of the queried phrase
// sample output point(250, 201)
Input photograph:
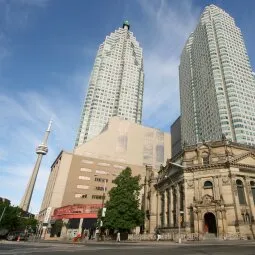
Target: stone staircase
point(210, 236)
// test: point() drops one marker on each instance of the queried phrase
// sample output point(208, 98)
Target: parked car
point(13, 236)
point(3, 233)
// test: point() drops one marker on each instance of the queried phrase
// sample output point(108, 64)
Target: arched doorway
point(210, 225)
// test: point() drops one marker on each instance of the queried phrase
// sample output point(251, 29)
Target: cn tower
point(41, 150)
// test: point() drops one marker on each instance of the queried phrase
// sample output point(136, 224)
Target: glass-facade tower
point(217, 87)
point(116, 84)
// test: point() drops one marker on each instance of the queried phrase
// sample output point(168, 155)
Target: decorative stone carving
point(225, 180)
point(207, 200)
point(190, 184)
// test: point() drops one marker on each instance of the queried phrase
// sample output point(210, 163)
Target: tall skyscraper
point(217, 87)
point(115, 86)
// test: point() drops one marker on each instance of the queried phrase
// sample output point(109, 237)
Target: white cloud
point(168, 26)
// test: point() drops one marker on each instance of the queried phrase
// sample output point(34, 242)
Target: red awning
point(88, 211)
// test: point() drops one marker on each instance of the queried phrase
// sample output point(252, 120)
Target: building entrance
point(210, 225)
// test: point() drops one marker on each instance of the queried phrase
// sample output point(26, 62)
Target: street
point(162, 248)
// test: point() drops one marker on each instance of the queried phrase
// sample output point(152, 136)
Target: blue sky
point(47, 50)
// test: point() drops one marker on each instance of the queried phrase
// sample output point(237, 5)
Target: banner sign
point(77, 211)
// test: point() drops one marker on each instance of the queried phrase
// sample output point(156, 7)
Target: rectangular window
point(80, 195)
point(86, 170)
point(103, 164)
point(81, 177)
point(101, 172)
point(97, 197)
point(82, 187)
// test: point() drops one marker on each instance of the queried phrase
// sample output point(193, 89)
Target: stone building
point(207, 189)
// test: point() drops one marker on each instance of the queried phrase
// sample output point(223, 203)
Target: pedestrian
point(158, 235)
point(118, 237)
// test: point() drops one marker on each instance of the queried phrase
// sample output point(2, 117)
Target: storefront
point(71, 220)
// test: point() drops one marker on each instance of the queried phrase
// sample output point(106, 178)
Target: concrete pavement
point(148, 248)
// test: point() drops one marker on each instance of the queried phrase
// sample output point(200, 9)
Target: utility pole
point(41, 150)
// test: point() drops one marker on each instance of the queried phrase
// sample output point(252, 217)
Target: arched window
point(208, 185)
point(240, 191)
point(252, 183)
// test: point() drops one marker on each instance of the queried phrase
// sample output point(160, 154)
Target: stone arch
point(210, 223)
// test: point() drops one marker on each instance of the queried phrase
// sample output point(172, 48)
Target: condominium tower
point(217, 87)
point(115, 86)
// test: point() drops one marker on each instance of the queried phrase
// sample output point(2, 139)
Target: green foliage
point(13, 219)
point(122, 209)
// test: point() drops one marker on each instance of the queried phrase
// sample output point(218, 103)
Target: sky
point(47, 51)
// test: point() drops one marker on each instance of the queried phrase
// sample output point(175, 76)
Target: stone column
point(215, 188)
point(235, 201)
point(169, 207)
point(158, 208)
point(219, 186)
point(196, 189)
point(175, 204)
point(165, 208)
point(199, 188)
point(162, 209)
point(186, 217)
point(248, 192)
point(178, 204)
point(153, 207)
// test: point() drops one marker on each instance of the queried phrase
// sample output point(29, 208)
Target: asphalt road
point(163, 248)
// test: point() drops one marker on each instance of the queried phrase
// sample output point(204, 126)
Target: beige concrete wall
point(108, 145)
point(56, 183)
point(122, 144)
point(61, 180)
point(98, 169)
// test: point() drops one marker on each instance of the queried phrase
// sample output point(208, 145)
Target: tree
point(14, 218)
point(123, 208)
point(10, 219)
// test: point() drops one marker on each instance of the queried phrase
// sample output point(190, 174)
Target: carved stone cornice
point(242, 156)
